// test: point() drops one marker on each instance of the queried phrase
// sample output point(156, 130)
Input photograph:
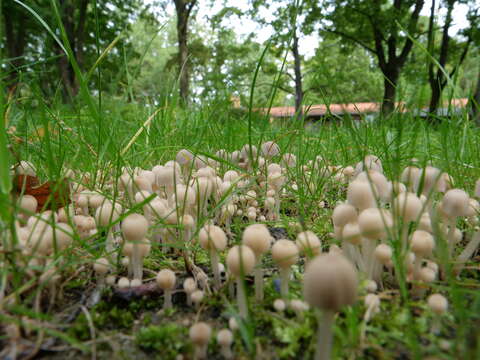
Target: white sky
point(244, 26)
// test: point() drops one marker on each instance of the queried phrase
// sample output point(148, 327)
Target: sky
point(244, 26)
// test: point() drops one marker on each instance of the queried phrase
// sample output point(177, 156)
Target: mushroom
point(308, 243)
point(197, 297)
point(225, 339)
point(134, 229)
point(189, 285)
point(258, 238)
point(279, 305)
point(240, 262)
point(407, 207)
point(284, 254)
point(421, 244)
point(213, 239)
point(200, 335)
point(104, 216)
point(330, 283)
point(439, 305)
point(166, 281)
point(101, 268)
point(454, 204)
point(123, 283)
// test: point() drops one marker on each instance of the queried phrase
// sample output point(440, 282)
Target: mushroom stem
point(467, 252)
point(242, 298)
point(284, 279)
point(109, 243)
point(226, 352)
point(136, 262)
point(167, 302)
point(200, 351)
point(258, 274)
point(325, 336)
point(451, 236)
point(216, 271)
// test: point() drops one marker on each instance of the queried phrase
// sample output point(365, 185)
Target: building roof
point(352, 109)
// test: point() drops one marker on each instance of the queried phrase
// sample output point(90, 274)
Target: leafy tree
point(382, 27)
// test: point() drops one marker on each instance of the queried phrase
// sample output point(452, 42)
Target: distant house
point(357, 111)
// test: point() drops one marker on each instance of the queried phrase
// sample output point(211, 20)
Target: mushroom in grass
point(134, 229)
point(284, 254)
point(225, 340)
point(200, 336)
point(438, 304)
point(455, 203)
point(240, 262)
point(189, 285)
point(258, 238)
point(213, 239)
point(408, 208)
point(308, 243)
point(101, 268)
point(422, 245)
point(166, 281)
point(104, 216)
point(330, 283)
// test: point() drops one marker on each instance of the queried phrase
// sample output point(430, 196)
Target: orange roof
point(339, 109)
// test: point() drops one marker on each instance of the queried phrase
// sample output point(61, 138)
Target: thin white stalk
point(258, 274)
point(226, 352)
point(200, 352)
point(137, 262)
point(242, 298)
point(451, 236)
point(284, 279)
point(167, 299)
point(325, 336)
point(215, 269)
point(467, 252)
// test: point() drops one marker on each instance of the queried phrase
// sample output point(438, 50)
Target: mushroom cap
point(101, 266)
point(427, 274)
point(123, 283)
point(437, 303)
point(134, 227)
point(343, 214)
point(289, 160)
point(425, 223)
point(197, 296)
point(257, 237)
point(383, 253)
point(106, 214)
point(455, 203)
point(270, 149)
point(330, 282)
point(212, 237)
point(307, 241)
point(361, 194)
point(184, 157)
point(408, 206)
point(166, 279)
point(374, 222)
point(230, 176)
point(431, 177)
point(200, 333)
point(410, 175)
point(279, 305)
point(29, 204)
point(382, 186)
point(224, 337)
point(189, 285)
point(284, 253)
point(422, 243)
point(63, 235)
point(240, 260)
point(351, 233)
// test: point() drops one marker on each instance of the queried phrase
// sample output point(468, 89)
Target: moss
point(169, 340)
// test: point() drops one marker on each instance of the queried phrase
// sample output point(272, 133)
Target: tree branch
point(351, 38)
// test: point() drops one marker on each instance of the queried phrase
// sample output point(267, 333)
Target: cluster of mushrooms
point(416, 229)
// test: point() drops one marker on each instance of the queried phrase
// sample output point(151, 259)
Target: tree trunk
point(474, 103)
point(15, 37)
point(183, 9)
point(182, 27)
point(389, 90)
point(298, 77)
point(437, 83)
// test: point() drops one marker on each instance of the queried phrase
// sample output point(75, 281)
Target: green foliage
point(168, 340)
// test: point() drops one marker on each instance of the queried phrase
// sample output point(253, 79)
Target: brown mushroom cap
point(422, 243)
point(200, 333)
point(330, 282)
point(134, 227)
point(212, 237)
point(308, 241)
point(166, 279)
point(343, 214)
point(257, 237)
point(455, 203)
point(240, 260)
point(374, 223)
point(284, 253)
